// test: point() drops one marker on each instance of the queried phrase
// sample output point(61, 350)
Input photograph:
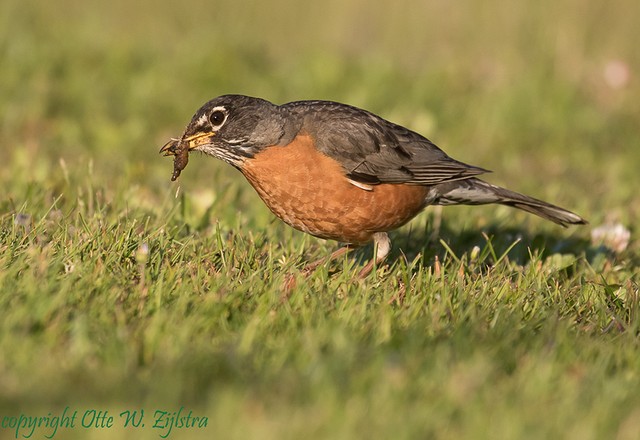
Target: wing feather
point(373, 150)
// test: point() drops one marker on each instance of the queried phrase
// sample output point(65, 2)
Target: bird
point(340, 172)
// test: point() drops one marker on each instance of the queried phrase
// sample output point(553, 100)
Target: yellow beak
point(192, 142)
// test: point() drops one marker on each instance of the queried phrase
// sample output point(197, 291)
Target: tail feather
point(474, 191)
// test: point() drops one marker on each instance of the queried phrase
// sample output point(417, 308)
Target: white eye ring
point(218, 117)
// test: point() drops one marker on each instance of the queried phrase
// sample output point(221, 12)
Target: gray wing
point(373, 150)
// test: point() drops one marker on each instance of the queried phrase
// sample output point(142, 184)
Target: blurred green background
point(114, 292)
point(509, 86)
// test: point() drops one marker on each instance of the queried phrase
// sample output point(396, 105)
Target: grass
point(120, 290)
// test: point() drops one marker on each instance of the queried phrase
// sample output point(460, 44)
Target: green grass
point(121, 290)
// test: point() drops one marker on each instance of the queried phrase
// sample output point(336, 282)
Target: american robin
point(339, 172)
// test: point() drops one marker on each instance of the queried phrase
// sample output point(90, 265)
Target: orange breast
point(309, 191)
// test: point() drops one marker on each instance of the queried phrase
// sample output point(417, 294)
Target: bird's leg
point(381, 248)
point(290, 280)
point(309, 268)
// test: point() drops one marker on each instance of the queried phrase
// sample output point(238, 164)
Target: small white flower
point(616, 74)
point(69, 267)
point(474, 253)
point(142, 253)
point(612, 235)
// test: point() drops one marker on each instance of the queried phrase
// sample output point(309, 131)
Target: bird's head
point(231, 128)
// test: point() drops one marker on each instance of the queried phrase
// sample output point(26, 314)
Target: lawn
point(121, 291)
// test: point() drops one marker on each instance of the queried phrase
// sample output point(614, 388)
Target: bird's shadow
point(495, 241)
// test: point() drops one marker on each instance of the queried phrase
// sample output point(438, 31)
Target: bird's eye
point(217, 118)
